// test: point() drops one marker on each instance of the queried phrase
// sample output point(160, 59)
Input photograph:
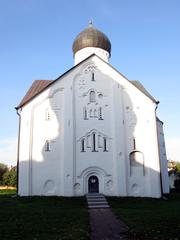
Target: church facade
point(90, 130)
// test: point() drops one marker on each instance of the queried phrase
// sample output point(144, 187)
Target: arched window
point(134, 143)
point(94, 142)
point(105, 144)
point(47, 146)
point(92, 96)
point(83, 145)
point(93, 76)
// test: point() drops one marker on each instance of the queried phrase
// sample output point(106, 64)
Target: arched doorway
point(93, 184)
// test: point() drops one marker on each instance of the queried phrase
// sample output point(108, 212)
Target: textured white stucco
point(127, 123)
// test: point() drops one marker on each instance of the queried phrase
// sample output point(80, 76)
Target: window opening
point(94, 142)
point(92, 79)
point(134, 143)
point(105, 145)
point(47, 146)
point(83, 145)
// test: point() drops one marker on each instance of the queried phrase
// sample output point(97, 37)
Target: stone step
point(98, 206)
point(95, 200)
point(97, 203)
point(95, 197)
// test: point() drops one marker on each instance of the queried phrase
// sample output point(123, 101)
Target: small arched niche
point(136, 162)
point(92, 96)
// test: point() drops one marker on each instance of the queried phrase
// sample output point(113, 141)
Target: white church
point(90, 130)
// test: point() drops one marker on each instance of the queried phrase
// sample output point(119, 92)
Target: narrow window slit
point(134, 143)
point(94, 142)
point(83, 145)
point(93, 76)
point(47, 146)
point(105, 145)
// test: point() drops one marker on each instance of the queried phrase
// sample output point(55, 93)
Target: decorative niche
point(93, 113)
point(91, 68)
point(136, 159)
point(94, 141)
point(92, 96)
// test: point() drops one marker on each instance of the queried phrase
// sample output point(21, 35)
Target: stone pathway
point(103, 222)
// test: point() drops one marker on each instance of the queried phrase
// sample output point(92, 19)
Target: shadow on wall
point(51, 167)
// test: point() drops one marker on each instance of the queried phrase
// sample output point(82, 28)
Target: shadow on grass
point(43, 218)
point(149, 218)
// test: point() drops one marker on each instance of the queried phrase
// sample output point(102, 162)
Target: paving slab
point(105, 226)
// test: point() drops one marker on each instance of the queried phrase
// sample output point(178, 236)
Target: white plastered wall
point(163, 157)
point(64, 171)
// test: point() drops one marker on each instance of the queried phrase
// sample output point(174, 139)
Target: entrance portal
point(93, 184)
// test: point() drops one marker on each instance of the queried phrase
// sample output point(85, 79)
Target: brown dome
point(91, 37)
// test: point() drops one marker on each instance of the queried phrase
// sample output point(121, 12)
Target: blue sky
point(36, 43)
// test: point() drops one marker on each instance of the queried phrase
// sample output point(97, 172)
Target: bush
point(10, 177)
point(3, 170)
point(177, 185)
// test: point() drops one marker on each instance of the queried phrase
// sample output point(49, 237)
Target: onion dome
point(91, 37)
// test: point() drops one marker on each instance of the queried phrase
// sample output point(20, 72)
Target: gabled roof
point(142, 89)
point(39, 86)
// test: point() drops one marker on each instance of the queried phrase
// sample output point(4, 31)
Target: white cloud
point(173, 148)
point(8, 151)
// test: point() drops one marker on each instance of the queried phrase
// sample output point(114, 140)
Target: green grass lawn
point(149, 218)
point(7, 191)
point(55, 218)
point(36, 218)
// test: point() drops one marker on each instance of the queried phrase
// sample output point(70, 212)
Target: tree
point(3, 170)
point(178, 168)
point(10, 177)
